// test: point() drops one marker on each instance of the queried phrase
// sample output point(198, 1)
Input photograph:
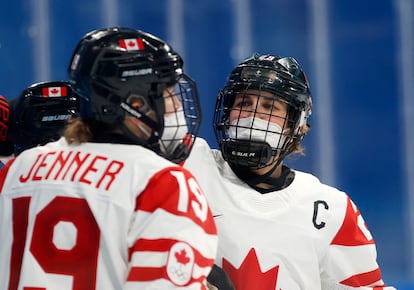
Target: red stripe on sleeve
point(3, 173)
point(164, 245)
point(364, 279)
point(147, 274)
point(143, 274)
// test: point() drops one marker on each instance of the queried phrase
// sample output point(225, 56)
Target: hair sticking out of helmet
point(41, 112)
point(110, 66)
point(261, 113)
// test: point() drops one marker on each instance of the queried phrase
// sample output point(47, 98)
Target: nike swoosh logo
point(217, 215)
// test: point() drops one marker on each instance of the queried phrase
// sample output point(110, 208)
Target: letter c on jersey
point(316, 224)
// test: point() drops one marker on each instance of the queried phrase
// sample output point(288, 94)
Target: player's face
point(172, 103)
point(259, 104)
point(139, 128)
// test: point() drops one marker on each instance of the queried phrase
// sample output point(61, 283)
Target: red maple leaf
point(54, 91)
point(131, 43)
point(182, 257)
point(249, 275)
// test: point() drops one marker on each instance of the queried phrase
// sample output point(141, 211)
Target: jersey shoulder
point(176, 191)
point(328, 204)
point(335, 207)
point(312, 187)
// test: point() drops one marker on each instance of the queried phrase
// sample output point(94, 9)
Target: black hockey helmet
point(284, 79)
point(40, 113)
point(111, 65)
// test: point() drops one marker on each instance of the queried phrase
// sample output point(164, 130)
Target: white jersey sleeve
point(102, 216)
point(306, 236)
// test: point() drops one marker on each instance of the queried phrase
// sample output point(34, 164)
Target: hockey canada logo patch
point(180, 263)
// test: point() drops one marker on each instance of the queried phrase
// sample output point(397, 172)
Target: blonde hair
point(77, 131)
point(297, 147)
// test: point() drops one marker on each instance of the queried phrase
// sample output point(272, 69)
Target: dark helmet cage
point(178, 147)
point(110, 65)
point(40, 113)
point(283, 78)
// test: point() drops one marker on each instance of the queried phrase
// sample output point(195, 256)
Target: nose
point(176, 101)
point(172, 103)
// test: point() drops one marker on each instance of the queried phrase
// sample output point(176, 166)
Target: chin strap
point(247, 153)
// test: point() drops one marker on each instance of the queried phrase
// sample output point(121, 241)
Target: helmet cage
point(107, 74)
point(286, 82)
point(179, 134)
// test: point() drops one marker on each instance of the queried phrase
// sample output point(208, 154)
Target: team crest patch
point(180, 263)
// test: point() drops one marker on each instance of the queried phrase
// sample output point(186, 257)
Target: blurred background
point(358, 56)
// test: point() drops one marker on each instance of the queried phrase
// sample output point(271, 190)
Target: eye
point(270, 106)
point(241, 102)
point(244, 104)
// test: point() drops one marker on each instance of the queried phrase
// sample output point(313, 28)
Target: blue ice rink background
point(358, 55)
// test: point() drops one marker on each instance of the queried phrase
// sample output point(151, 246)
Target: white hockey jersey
point(306, 236)
point(102, 216)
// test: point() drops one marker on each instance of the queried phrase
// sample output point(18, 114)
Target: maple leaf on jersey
point(182, 257)
point(249, 275)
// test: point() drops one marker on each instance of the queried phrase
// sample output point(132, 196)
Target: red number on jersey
point(78, 261)
point(200, 205)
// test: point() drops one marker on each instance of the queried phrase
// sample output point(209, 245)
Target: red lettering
point(111, 174)
point(42, 164)
point(90, 168)
point(78, 161)
point(61, 160)
point(74, 166)
point(24, 179)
